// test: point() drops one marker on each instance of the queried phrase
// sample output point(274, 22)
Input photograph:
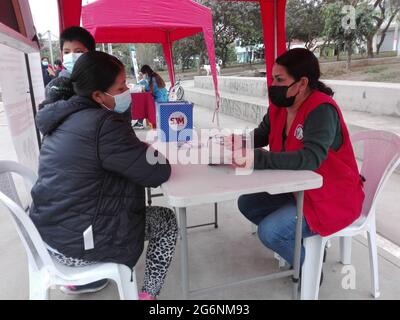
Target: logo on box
point(177, 121)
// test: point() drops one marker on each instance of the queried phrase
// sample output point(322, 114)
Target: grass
point(378, 73)
point(376, 69)
point(343, 57)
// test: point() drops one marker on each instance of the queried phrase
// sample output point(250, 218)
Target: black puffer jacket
point(92, 171)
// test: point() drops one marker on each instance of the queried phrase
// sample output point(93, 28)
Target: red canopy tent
point(272, 14)
point(156, 21)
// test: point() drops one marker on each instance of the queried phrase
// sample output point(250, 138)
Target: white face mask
point(69, 60)
point(122, 101)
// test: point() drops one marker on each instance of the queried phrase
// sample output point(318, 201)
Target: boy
point(74, 41)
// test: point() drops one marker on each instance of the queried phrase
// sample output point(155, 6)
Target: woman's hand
point(243, 158)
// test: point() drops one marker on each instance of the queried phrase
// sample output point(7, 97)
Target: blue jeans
point(275, 216)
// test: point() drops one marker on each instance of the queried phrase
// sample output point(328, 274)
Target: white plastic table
point(195, 184)
point(191, 185)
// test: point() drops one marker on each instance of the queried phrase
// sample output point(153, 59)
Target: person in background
point(142, 81)
point(47, 72)
point(155, 84)
point(93, 171)
point(58, 67)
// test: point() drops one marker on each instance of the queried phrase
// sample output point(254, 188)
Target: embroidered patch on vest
point(298, 133)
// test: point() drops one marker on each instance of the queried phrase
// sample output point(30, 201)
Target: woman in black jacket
point(89, 200)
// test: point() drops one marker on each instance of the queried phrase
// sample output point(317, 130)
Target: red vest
point(338, 202)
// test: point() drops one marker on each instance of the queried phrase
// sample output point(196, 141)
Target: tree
point(389, 9)
point(123, 53)
point(185, 50)
point(232, 21)
point(45, 49)
point(385, 11)
point(347, 23)
point(149, 54)
point(304, 21)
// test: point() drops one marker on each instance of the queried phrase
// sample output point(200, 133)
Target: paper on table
point(135, 88)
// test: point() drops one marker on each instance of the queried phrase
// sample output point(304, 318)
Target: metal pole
point(50, 48)
point(297, 247)
point(110, 49)
point(184, 253)
point(276, 29)
point(32, 95)
point(216, 214)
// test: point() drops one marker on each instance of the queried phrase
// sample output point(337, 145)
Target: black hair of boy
point(78, 34)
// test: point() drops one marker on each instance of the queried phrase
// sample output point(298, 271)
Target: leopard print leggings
point(161, 232)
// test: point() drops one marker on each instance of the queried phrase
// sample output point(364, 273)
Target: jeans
point(275, 216)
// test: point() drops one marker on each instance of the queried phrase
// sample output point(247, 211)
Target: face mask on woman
point(122, 101)
point(69, 60)
point(278, 96)
point(45, 63)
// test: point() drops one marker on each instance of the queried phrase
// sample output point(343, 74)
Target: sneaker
point(146, 296)
point(87, 288)
point(138, 125)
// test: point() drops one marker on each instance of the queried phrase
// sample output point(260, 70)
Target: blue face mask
point(69, 60)
point(122, 101)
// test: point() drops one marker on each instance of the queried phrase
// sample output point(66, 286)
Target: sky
point(45, 15)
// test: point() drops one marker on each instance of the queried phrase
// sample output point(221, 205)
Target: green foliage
point(232, 21)
point(344, 28)
point(45, 49)
point(304, 21)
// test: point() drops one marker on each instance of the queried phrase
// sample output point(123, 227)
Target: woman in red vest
point(305, 130)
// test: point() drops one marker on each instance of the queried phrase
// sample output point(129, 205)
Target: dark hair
point(59, 88)
point(94, 70)
point(44, 58)
point(78, 34)
point(300, 63)
point(58, 62)
point(160, 82)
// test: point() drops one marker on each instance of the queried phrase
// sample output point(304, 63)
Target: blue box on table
point(174, 121)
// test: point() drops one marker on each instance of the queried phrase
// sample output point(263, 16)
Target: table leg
point(216, 215)
point(184, 253)
point(297, 250)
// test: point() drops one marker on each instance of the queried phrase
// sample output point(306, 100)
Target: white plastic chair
point(381, 156)
point(44, 271)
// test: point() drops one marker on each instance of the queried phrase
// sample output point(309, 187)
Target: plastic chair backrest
point(7, 186)
point(33, 243)
point(381, 156)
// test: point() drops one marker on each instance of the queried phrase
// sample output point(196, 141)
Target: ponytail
point(324, 88)
point(152, 75)
point(58, 89)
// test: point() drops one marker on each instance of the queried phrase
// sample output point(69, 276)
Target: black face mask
point(277, 94)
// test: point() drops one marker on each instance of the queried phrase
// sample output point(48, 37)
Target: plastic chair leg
point(127, 289)
point(38, 285)
point(345, 250)
point(373, 260)
point(253, 228)
point(311, 270)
